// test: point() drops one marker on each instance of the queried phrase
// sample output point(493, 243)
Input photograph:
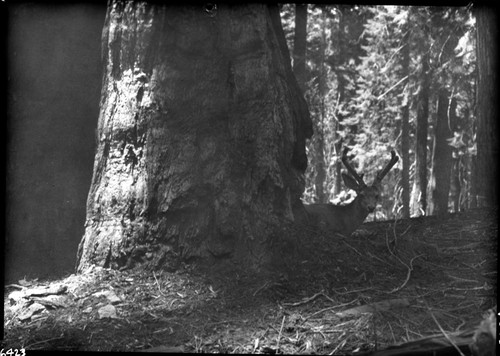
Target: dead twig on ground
point(340, 345)
point(462, 279)
point(353, 291)
point(444, 333)
point(378, 258)
point(30, 346)
point(329, 308)
point(261, 288)
point(392, 333)
point(307, 300)
point(408, 273)
point(158, 284)
point(279, 335)
point(348, 245)
point(406, 230)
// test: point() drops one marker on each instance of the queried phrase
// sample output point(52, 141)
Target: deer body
point(345, 219)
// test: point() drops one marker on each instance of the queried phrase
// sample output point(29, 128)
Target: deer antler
point(351, 170)
point(392, 162)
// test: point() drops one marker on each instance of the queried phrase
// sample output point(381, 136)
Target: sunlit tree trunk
point(201, 136)
point(487, 105)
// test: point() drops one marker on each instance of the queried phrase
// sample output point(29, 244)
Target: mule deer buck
point(344, 219)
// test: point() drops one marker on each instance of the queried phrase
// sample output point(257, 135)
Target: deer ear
point(350, 182)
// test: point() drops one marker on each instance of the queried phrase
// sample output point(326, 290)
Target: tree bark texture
point(455, 182)
point(319, 180)
point(299, 45)
point(405, 129)
point(442, 160)
point(320, 166)
point(201, 136)
point(419, 192)
point(487, 104)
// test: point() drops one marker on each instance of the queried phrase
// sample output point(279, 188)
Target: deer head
point(345, 219)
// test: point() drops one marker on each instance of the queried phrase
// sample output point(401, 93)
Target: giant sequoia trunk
point(200, 136)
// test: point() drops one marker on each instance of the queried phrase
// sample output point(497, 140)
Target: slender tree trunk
point(440, 186)
point(405, 127)
point(487, 105)
point(455, 182)
point(419, 192)
point(320, 169)
point(201, 136)
point(337, 187)
point(405, 176)
point(444, 127)
point(299, 45)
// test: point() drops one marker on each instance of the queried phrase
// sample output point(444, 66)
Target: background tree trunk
point(340, 72)
point(201, 136)
point(487, 105)
point(299, 45)
point(320, 178)
point(419, 192)
point(441, 166)
point(319, 181)
point(455, 182)
point(405, 127)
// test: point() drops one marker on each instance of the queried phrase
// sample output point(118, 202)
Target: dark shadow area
point(54, 80)
point(388, 283)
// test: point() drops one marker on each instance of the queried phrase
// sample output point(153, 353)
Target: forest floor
point(389, 283)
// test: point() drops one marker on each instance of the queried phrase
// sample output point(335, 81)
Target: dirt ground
point(389, 283)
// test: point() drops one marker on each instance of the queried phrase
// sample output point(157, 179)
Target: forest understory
point(389, 283)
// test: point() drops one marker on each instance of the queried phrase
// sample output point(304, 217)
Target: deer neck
point(357, 210)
